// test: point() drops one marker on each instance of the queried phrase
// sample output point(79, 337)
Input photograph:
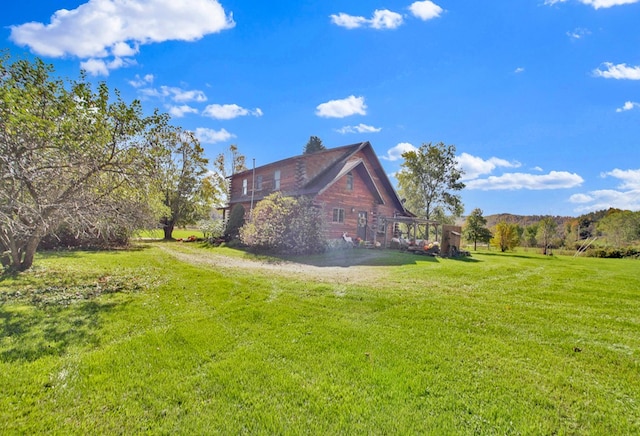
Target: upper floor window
point(276, 180)
point(259, 182)
point(350, 182)
point(245, 185)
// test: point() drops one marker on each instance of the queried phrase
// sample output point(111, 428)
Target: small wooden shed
point(451, 236)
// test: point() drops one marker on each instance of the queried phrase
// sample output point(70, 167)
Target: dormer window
point(350, 181)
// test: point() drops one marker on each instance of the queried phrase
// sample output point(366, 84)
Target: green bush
point(285, 225)
point(66, 237)
point(614, 252)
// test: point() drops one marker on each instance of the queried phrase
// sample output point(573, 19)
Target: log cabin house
point(348, 183)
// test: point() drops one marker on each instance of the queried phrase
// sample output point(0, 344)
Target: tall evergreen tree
point(314, 145)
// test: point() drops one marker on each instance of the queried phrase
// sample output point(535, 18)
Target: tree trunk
point(29, 252)
point(168, 230)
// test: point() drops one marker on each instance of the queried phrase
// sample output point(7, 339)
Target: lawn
point(178, 233)
point(180, 338)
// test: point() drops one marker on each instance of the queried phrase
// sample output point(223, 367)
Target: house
point(347, 183)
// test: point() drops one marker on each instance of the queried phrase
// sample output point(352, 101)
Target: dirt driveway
point(342, 269)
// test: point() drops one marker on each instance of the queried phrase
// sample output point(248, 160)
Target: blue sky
point(540, 97)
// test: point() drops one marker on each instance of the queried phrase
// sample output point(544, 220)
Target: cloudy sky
point(540, 97)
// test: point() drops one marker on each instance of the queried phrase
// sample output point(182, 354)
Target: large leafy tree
point(531, 235)
point(475, 230)
point(180, 171)
point(620, 227)
point(506, 236)
point(430, 179)
point(68, 154)
point(547, 230)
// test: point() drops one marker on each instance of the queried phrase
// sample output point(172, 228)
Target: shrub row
point(614, 252)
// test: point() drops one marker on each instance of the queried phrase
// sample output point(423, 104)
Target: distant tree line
point(606, 233)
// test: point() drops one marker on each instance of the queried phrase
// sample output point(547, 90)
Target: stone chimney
point(301, 173)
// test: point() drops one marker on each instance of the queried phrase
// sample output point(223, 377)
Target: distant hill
point(524, 220)
point(586, 220)
point(586, 224)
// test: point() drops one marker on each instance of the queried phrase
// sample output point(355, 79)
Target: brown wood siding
point(338, 196)
point(296, 171)
point(287, 182)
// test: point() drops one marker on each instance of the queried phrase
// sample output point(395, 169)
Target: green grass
point(139, 341)
point(177, 234)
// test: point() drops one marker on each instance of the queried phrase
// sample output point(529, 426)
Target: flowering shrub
point(285, 225)
point(212, 229)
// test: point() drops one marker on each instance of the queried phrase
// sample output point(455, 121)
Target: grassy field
point(177, 234)
point(178, 338)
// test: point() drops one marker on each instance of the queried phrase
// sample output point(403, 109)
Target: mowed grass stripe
point(497, 344)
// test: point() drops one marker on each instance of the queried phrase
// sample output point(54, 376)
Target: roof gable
point(358, 165)
point(324, 168)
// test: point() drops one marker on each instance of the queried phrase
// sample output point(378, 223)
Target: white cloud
point(578, 33)
point(210, 136)
point(630, 178)
point(474, 166)
point(519, 70)
point(229, 111)
point(99, 67)
point(628, 105)
point(122, 49)
point(537, 169)
point(360, 128)
point(627, 195)
point(596, 4)
point(514, 181)
point(395, 153)
point(605, 199)
point(176, 94)
point(95, 67)
point(381, 19)
point(111, 29)
point(425, 10)
point(348, 21)
point(581, 198)
point(181, 111)
point(139, 82)
point(385, 19)
point(182, 96)
point(351, 105)
point(620, 71)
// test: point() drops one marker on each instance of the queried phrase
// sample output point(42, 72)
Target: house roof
point(337, 163)
point(349, 166)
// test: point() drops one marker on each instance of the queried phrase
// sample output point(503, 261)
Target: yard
point(180, 338)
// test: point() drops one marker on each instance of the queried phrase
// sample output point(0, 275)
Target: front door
point(362, 225)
